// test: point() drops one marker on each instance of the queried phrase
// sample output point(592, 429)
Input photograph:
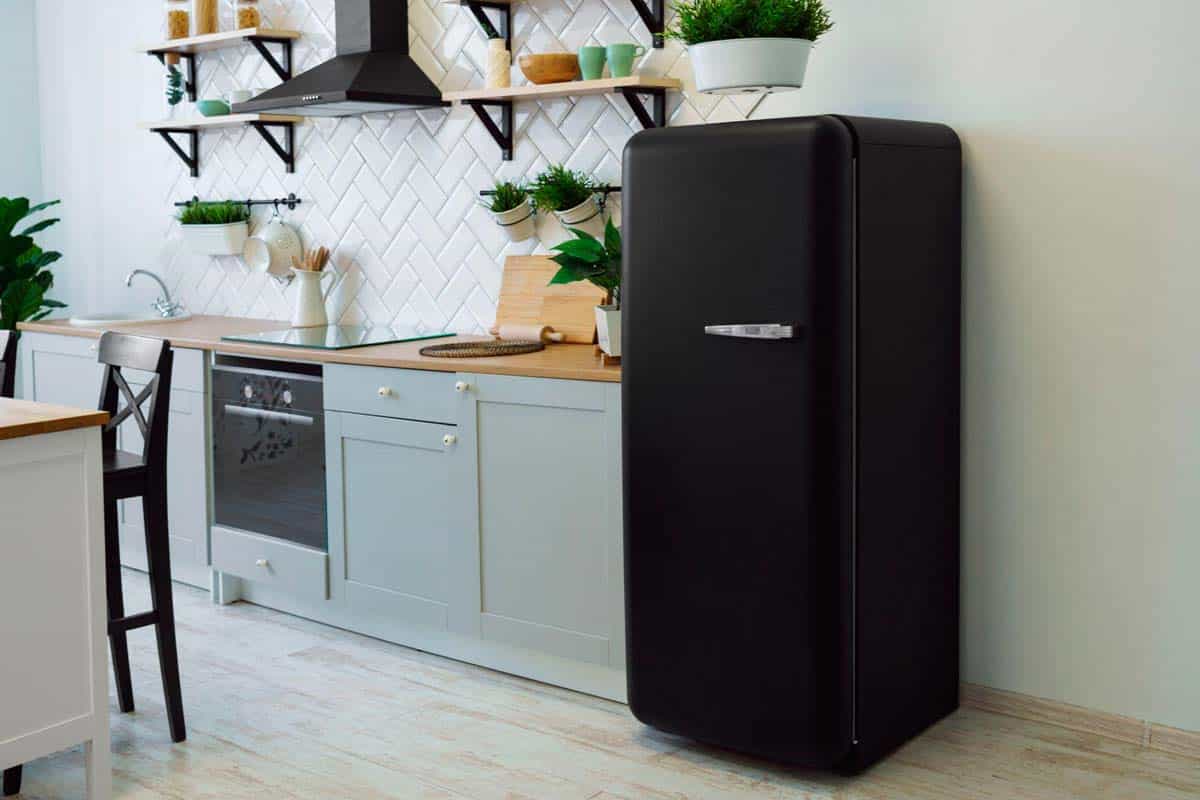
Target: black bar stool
point(140, 475)
point(11, 783)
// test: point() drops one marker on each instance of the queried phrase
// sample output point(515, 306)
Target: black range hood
point(371, 72)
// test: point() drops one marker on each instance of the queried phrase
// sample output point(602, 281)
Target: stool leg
point(12, 781)
point(117, 641)
point(158, 556)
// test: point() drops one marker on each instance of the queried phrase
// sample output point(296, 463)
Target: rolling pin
point(536, 333)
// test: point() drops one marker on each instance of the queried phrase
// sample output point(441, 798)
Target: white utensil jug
point(310, 300)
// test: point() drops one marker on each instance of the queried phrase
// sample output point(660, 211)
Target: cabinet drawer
point(298, 571)
point(187, 373)
point(399, 393)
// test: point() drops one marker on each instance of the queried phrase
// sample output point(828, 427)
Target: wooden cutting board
point(527, 299)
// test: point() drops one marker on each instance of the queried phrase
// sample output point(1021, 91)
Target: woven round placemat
point(510, 347)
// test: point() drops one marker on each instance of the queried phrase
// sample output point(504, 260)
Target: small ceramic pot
point(517, 223)
point(608, 329)
point(735, 66)
point(586, 217)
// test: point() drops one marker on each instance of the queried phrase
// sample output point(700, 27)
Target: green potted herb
point(586, 258)
point(570, 195)
point(24, 279)
point(215, 229)
point(511, 210)
point(749, 45)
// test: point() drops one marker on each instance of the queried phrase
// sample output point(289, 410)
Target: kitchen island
point(53, 658)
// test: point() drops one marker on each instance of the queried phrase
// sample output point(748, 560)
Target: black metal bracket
point(654, 15)
point(192, 160)
point(657, 117)
point(291, 201)
point(489, 30)
point(189, 75)
point(286, 149)
point(283, 65)
point(502, 133)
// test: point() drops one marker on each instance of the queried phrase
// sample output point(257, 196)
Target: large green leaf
point(612, 240)
point(568, 274)
point(39, 226)
point(11, 248)
point(38, 257)
point(588, 250)
point(12, 211)
point(20, 301)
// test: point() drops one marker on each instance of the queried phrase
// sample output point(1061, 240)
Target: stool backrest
point(120, 351)
point(8, 362)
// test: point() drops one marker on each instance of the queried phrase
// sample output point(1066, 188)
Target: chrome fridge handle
point(770, 330)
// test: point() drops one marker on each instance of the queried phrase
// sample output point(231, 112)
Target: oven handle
point(262, 413)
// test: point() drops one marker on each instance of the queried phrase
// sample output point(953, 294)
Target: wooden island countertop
point(22, 418)
point(566, 361)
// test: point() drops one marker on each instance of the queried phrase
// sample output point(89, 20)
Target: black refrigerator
point(791, 315)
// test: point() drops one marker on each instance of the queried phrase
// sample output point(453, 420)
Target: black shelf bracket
point(489, 30)
point(282, 65)
point(654, 15)
point(192, 159)
point(502, 133)
point(286, 149)
point(189, 71)
point(657, 116)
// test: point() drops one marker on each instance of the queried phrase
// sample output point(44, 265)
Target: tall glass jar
point(247, 14)
point(179, 26)
point(207, 19)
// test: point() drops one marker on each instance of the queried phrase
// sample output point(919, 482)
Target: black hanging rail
point(604, 190)
point(291, 201)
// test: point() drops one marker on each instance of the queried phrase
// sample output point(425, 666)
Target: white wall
point(1080, 122)
point(20, 156)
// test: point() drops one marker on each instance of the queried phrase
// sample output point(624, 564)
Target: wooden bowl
point(550, 67)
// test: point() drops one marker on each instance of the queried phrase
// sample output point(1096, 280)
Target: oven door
point(269, 454)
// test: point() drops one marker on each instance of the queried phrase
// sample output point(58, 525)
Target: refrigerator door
point(736, 375)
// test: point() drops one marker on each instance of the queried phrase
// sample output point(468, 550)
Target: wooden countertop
point(568, 361)
point(22, 418)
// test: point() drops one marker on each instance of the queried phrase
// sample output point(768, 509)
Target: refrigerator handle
point(772, 330)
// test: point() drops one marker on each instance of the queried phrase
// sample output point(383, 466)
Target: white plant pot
point(586, 217)
point(734, 66)
point(608, 329)
point(517, 223)
point(216, 240)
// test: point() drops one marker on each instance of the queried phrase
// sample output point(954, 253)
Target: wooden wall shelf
point(631, 88)
point(260, 122)
point(187, 48)
point(652, 12)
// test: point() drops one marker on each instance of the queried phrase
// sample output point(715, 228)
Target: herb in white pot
point(215, 229)
point(586, 258)
point(738, 46)
point(511, 210)
point(571, 196)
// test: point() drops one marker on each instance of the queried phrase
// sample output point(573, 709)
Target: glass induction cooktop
point(337, 337)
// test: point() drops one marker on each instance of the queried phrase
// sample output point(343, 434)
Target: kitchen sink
point(116, 317)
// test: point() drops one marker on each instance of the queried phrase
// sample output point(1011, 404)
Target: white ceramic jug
point(310, 300)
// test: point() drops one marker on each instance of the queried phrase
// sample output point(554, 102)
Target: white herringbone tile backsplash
point(394, 196)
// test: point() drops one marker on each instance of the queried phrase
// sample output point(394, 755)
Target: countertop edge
point(362, 356)
point(45, 418)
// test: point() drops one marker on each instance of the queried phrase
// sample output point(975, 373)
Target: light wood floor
point(282, 708)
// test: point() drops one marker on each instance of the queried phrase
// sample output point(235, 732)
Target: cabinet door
point(64, 370)
point(389, 516)
point(548, 538)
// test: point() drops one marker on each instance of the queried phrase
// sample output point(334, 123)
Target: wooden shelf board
point(567, 89)
point(216, 41)
point(227, 121)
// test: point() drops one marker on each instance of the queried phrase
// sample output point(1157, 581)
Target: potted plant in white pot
point(215, 229)
point(586, 258)
point(749, 45)
point(511, 210)
point(570, 195)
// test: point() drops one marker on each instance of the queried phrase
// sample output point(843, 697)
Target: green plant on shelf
point(24, 279)
point(174, 86)
point(699, 21)
point(507, 196)
point(586, 258)
point(558, 188)
point(224, 212)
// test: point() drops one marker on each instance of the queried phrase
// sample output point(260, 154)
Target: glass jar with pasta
point(247, 14)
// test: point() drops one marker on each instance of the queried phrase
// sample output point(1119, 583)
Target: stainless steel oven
point(269, 449)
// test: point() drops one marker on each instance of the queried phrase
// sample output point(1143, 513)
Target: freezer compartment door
point(737, 313)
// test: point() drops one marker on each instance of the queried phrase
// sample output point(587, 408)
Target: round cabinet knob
point(248, 391)
point(94, 348)
point(287, 396)
point(449, 439)
point(262, 562)
point(462, 386)
point(385, 391)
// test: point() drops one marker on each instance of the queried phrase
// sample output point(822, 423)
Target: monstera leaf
point(24, 279)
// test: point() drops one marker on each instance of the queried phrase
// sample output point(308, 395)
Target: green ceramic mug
point(621, 56)
point(591, 62)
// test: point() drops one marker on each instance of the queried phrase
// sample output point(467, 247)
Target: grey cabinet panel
point(389, 501)
point(401, 393)
point(300, 571)
point(63, 369)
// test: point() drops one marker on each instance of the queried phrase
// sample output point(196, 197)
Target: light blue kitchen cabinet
point(63, 370)
point(546, 489)
point(391, 513)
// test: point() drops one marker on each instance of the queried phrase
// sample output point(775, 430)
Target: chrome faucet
point(163, 305)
